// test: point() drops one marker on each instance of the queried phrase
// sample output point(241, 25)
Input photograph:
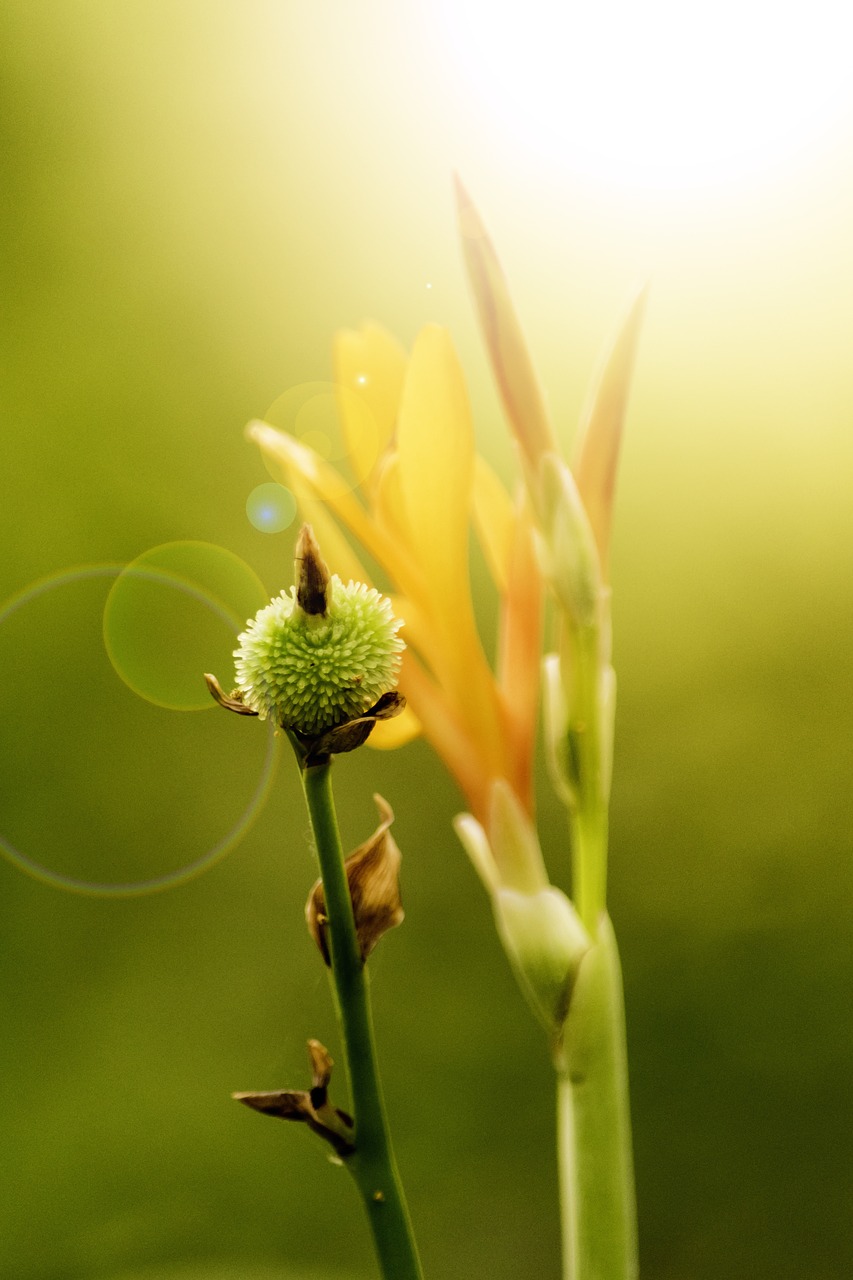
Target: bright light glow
point(657, 93)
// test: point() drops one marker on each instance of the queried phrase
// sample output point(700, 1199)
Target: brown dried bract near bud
point(310, 1106)
point(352, 733)
point(373, 871)
point(312, 575)
point(232, 703)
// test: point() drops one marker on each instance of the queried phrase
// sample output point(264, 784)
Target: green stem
point(594, 1132)
point(372, 1164)
point(588, 812)
point(588, 828)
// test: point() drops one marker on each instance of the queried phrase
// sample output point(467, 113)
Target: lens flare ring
point(197, 866)
point(153, 645)
point(312, 413)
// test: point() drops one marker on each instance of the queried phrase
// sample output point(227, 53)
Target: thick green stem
point(372, 1164)
point(594, 1130)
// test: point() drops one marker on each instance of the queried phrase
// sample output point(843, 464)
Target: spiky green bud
point(320, 654)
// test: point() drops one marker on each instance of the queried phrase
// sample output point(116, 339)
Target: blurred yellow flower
point(414, 487)
point(410, 442)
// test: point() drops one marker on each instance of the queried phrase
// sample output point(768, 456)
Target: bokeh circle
point(337, 424)
point(41, 774)
point(158, 616)
point(271, 507)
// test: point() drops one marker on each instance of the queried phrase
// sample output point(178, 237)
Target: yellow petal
point(435, 442)
point(328, 485)
point(597, 449)
point(511, 364)
point(417, 631)
point(494, 521)
point(361, 435)
point(388, 505)
point(424, 640)
point(369, 365)
point(390, 734)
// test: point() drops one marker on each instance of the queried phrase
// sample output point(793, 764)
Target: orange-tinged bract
point(511, 364)
point(600, 436)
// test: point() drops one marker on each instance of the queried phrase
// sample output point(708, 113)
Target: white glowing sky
point(657, 93)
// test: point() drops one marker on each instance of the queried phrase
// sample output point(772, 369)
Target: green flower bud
point(541, 932)
point(569, 555)
point(545, 940)
point(322, 653)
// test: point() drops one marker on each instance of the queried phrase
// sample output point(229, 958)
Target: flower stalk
point(371, 1163)
point(322, 662)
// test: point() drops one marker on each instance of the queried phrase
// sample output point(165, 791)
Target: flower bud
point(541, 932)
point(568, 552)
point(312, 575)
point(545, 940)
point(562, 769)
point(322, 653)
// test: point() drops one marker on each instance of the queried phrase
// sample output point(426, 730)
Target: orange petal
point(597, 450)
point(511, 364)
point(446, 734)
point(519, 655)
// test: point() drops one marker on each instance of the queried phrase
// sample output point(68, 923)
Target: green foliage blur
point(195, 197)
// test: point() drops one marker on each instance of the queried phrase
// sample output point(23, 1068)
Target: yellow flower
point(410, 441)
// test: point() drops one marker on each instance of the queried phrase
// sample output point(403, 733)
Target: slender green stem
point(594, 1130)
point(588, 829)
point(588, 813)
point(372, 1164)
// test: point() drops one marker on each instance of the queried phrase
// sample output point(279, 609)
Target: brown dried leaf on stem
point(312, 1107)
point(373, 871)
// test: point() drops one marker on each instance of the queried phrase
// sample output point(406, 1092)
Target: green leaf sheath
point(594, 1129)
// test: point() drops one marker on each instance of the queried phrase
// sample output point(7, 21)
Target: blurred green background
point(195, 197)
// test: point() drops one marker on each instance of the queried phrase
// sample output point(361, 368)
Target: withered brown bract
point(373, 876)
